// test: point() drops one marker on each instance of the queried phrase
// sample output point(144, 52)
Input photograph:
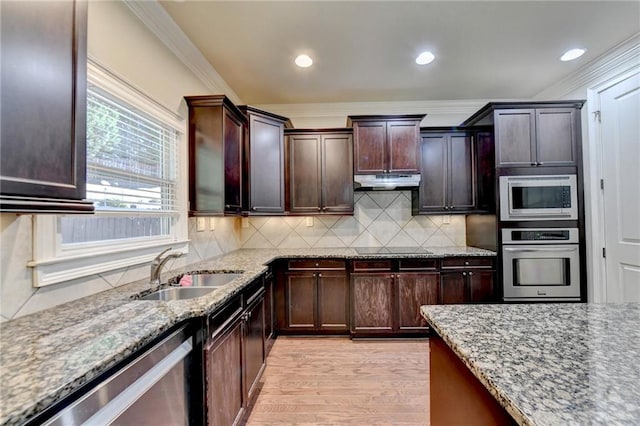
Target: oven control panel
point(539, 235)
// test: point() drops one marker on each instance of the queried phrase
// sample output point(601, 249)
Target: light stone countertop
point(550, 364)
point(45, 356)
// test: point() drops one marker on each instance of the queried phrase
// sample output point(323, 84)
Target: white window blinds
point(131, 174)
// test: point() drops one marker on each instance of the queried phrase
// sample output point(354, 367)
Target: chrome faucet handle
point(157, 264)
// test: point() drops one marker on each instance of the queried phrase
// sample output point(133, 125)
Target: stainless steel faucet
point(157, 265)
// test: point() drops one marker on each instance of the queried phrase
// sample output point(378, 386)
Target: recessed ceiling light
point(304, 61)
point(425, 58)
point(572, 54)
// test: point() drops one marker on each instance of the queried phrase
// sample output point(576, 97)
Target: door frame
point(593, 194)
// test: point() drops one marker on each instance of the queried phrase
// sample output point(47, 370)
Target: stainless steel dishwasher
point(153, 389)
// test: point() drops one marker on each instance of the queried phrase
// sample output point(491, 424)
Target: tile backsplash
point(381, 218)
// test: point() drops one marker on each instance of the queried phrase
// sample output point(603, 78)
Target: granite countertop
point(47, 355)
point(550, 364)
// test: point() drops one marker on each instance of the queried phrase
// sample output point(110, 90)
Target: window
point(135, 179)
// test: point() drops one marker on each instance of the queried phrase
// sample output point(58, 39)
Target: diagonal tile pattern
point(381, 218)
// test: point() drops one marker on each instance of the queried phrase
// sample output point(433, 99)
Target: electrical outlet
point(212, 224)
point(446, 219)
point(309, 221)
point(200, 224)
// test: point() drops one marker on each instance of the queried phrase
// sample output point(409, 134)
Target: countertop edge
point(477, 372)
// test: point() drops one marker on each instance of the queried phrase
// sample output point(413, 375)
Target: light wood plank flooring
point(336, 381)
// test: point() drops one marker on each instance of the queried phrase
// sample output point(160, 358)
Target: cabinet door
point(233, 146)
point(481, 286)
point(254, 360)
point(43, 104)
point(415, 290)
point(224, 378)
point(206, 158)
point(333, 301)
point(461, 181)
point(337, 173)
point(370, 146)
point(403, 147)
point(433, 182)
point(304, 173)
point(453, 287)
point(372, 303)
point(267, 165)
point(269, 323)
point(515, 136)
point(301, 300)
point(556, 137)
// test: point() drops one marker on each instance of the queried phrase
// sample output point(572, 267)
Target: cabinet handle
point(464, 274)
point(534, 163)
point(319, 275)
point(319, 209)
point(470, 273)
point(317, 264)
point(392, 276)
point(466, 263)
point(540, 163)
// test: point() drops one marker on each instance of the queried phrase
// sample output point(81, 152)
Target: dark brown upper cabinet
point(320, 171)
point(386, 143)
point(457, 172)
point(533, 134)
point(448, 183)
point(44, 96)
point(216, 153)
point(265, 161)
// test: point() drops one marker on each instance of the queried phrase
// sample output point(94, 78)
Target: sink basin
point(178, 293)
point(212, 280)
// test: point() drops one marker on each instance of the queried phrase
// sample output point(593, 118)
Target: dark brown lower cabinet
point(317, 301)
point(254, 349)
point(415, 290)
point(467, 280)
point(234, 356)
point(372, 303)
point(269, 320)
point(388, 303)
point(223, 363)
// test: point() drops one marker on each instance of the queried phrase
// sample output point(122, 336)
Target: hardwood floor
point(336, 381)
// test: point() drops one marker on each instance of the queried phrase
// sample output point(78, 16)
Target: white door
point(620, 138)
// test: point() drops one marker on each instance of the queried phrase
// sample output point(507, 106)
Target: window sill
point(62, 269)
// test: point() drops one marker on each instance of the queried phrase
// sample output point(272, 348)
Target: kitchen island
point(547, 364)
point(47, 356)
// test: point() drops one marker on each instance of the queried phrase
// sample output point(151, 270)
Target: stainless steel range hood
point(386, 182)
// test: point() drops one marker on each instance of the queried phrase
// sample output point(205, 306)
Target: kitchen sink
point(178, 293)
point(217, 279)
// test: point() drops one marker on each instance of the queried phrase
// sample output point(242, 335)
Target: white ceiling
point(365, 51)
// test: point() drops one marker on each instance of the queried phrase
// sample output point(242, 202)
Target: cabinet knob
point(319, 209)
point(317, 264)
point(319, 275)
point(540, 163)
point(464, 274)
point(466, 263)
point(534, 163)
point(392, 276)
point(470, 273)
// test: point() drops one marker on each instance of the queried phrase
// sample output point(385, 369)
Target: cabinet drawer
point(306, 264)
point(371, 265)
point(217, 321)
point(418, 265)
point(467, 262)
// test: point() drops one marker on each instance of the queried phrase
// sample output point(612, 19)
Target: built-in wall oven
point(540, 197)
point(541, 264)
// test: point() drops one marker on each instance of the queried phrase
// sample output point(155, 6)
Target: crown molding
point(368, 108)
point(153, 15)
point(617, 60)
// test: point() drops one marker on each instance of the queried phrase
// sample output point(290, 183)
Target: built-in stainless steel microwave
point(546, 197)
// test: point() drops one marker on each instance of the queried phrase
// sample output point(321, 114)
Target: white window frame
point(53, 264)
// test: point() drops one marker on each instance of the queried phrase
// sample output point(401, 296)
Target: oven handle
point(540, 249)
